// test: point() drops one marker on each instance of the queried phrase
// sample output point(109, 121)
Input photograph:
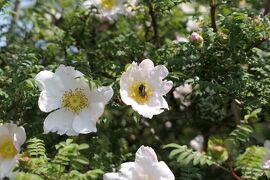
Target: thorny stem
point(154, 22)
point(256, 44)
point(232, 172)
point(267, 7)
point(213, 6)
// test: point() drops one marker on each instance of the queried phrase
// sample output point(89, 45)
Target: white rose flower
point(197, 143)
point(75, 107)
point(110, 9)
point(11, 139)
point(183, 93)
point(142, 86)
point(266, 158)
point(145, 167)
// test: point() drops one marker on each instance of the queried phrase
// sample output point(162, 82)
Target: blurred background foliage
point(229, 73)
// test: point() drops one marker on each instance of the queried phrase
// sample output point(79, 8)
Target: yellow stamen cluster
point(75, 100)
point(108, 4)
point(7, 149)
point(140, 92)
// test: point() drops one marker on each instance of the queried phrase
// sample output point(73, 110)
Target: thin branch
point(266, 7)
point(256, 44)
point(232, 172)
point(154, 23)
point(213, 7)
point(15, 15)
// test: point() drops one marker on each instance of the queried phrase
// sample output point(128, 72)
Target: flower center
point(108, 4)
point(74, 100)
point(7, 149)
point(140, 92)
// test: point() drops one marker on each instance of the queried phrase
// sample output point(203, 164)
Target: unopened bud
point(196, 37)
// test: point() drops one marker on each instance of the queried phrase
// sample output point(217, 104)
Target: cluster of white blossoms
point(110, 9)
point(11, 139)
point(75, 108)
point(142, 86)
point(145, 167)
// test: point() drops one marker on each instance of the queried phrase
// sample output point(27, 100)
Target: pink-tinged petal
point(162, 172)
point(17, 134)
point(161, 87)
point(147, 65)
point(159, 72)
point(42, 77)
point(59, 121)
point(145, 157)
point(48, 102)
point(166, 86)
point(6, 166)
point(85, 122)
point(101, 95)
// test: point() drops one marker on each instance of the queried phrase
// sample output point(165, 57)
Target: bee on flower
point(142, 86)
point(146, 166)
point(11, 139)
point(74, 107)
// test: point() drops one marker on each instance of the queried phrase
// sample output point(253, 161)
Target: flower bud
point(196, 39)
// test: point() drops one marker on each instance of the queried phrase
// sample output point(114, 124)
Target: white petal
point(48, 102)
point(102, 94)
point(127, 172)
point(70, 71)
point(162, 172)
point(145, 157)
point(112, 176)
point(6, 166)
point(126, 99)
point(4, 130)
point(85, 122)
point(42, 77)
point(154, 107)
point(147, 65)
point(59, 121)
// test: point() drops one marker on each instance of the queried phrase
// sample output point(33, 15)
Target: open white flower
point(11, 139)
point(266, 158)
point(145, 167)
point(77, 108)
point(109, 9)
point(142, 86)
point(183, 94)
